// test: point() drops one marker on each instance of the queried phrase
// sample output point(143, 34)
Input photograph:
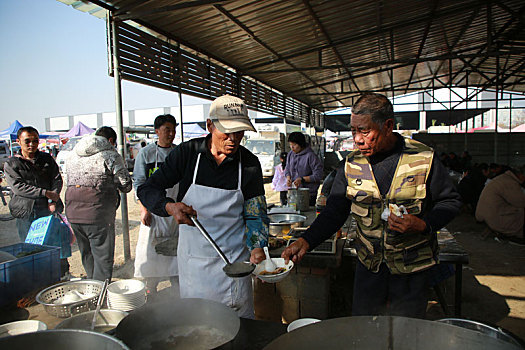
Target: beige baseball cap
point(229, 114)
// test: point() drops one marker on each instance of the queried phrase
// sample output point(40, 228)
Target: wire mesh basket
point(50, 295)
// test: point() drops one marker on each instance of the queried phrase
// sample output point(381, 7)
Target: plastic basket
point(28, 273)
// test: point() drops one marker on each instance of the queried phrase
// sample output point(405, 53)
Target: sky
point(54, 63)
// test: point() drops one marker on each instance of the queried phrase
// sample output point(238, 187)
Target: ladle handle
point(208, 237)
point(99, 303)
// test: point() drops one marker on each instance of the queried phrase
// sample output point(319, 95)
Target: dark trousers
point(284, 197)
point(23, 226)
point(383, 293)
point(313, 199)
point(97, 248)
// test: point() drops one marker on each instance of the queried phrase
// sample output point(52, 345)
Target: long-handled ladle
point(237, 269)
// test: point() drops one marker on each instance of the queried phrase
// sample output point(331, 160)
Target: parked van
point(268, 149)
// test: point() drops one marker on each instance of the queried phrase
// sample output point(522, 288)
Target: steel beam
point(315, 18)
point(247, 30)
point(377, 31)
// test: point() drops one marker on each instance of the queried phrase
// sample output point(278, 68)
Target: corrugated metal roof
point(325, 53)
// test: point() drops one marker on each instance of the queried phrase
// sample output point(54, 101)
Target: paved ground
point(494, 281)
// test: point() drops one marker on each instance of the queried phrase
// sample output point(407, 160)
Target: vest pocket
point(414, 258)
point(413, 207)
point(359, 195)
point(362, 213)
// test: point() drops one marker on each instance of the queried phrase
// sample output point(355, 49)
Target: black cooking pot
point(195, 323)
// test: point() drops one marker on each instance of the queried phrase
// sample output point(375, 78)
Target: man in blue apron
point(221, 182)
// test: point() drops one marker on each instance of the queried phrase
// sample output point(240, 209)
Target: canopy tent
point(79, 129)
point(488, 128)
point(519, 128)
point(193, 130)
point(10, 132)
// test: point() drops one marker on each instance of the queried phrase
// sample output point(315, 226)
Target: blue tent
point(193, 130)
point(10, 132)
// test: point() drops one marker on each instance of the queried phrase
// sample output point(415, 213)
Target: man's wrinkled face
point(369, 137)
point(28, 142)
point(166, 134)
point(226, 144)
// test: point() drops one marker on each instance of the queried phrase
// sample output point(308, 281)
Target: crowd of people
point(398, 192)
point(493, 193)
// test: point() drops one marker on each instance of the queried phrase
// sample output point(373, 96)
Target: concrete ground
point(493, 282)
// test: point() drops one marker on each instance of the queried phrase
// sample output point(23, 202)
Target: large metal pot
point(491, 331)
point(106, 320)
point(62, 339)
point(193, 323)
point(283, 223)
point(385, 332)
point(299, 197)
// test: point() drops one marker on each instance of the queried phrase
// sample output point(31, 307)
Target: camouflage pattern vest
point(403, 253)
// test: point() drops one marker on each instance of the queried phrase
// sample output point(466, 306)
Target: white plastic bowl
point(126, 287)
point(301, 322)
point(126, 295)
point(21, 327)
point(279, 262)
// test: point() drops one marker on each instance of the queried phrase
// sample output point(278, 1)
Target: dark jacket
point(29, 181)
point(95, 174)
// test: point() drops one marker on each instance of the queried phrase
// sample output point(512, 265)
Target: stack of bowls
point(126, 295)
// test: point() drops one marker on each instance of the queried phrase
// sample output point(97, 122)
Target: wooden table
point(451, 252)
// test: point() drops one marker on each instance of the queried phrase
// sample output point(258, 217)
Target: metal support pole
point(497, 107)
point(180, 94)
point(121, 139)
point(465, 145)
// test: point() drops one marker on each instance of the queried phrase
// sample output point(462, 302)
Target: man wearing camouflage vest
point(399, 194)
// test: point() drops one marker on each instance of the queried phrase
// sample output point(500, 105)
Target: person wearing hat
point(221, 182)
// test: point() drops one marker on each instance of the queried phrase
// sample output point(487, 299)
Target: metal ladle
point(99, 304)
point(237, 269)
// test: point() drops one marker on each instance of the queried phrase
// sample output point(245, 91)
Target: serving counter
point(321, 285)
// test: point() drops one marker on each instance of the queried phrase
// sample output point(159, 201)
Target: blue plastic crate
point(29, 273)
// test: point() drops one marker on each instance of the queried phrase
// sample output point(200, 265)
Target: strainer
point(48, 296)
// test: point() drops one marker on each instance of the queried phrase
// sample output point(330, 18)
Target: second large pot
point(299, 198)
point(281, 224)
point(179, 324)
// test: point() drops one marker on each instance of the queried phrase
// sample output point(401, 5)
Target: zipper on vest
point(385, 226)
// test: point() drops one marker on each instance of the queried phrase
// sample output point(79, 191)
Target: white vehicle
point(64, 152)
point(268, 152)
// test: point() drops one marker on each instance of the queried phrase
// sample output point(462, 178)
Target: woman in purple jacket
point(303, 167)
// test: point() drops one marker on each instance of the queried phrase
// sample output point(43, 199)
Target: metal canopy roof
point(326, 53)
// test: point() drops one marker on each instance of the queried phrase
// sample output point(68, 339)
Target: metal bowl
point(283, 223)
point(50, 295)
point(62, 339)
